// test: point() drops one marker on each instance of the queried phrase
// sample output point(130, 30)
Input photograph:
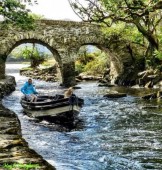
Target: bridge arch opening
point(51, 56)
point(92, 61)
point(24, 41)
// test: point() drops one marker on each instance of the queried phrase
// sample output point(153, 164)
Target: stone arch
point(116, 63)
point(52, 50)
point(55, 53)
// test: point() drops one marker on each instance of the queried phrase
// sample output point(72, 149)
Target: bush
point(79, 68)
point(96, 67)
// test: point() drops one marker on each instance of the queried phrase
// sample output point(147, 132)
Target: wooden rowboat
point(53, 108)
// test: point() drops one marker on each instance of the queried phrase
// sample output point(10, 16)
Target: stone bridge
point(62, 38)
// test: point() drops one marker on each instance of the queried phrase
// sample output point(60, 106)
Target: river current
point(112, 134)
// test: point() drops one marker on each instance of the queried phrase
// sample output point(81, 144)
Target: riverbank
point(14, 150)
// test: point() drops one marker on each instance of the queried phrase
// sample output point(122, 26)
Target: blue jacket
point(28, 89)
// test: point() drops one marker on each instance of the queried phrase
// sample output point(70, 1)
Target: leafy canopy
point(16, 13)
point(110, 11)
point(32, 53)
point(145, 15)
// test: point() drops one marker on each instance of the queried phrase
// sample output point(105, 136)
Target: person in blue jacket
point(29, 91)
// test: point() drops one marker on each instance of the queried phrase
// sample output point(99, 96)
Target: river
point(112, 134)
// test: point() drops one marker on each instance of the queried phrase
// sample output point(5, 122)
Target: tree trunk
point(152, 40)
point(148, 35)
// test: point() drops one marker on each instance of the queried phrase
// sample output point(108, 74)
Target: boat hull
point(55, 112)
point(49, 108)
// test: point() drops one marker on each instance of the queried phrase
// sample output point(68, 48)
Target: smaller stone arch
point(116, 63)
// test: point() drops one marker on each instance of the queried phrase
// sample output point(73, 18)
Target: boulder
point(115, 95)
point(150, 96)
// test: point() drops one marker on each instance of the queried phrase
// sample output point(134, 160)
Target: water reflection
point(115, 134)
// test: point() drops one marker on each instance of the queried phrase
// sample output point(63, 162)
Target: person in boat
point(72, 97)
point(29, 91)
point(68, 92)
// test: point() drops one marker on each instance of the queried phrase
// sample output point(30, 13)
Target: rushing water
point(113, 134)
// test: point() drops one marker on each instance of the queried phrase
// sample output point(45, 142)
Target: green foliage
point(79, 68)
point(124, 32)
point(33, 54)
point(148, 63)
point(83, 56)
point(84, 59)
point(21, 166)
point(156, 61)
point(158, 54)
point(132, 34)
point(49, 62)
point(36, 16)
point(92, 63)
point(160, 35)
point(115, 29)
point(15, 13)
point(98, 65)
point(26, 69)
point(136, 21)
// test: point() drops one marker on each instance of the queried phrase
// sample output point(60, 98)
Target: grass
point(21, 166)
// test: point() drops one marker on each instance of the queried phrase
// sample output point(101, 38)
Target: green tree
point(34, 55)
point(83, 56)
point(98, 65)
point(16, 13)
point(146, 15)
point(92, 62)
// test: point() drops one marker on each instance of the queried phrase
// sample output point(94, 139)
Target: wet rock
point(47, 74)
point(7, 85)
point(149, 84)
point(76, 87)
point(83, 76)
point(77, 80)
point(150, 107)
point(115, 95)
point(106, 85)
point(13, 148)
point(154, 95)
point(149, 78)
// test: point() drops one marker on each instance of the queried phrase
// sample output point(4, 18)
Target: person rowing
point(29, 91)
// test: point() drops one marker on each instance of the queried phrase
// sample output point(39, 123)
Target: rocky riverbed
point(14, 150)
